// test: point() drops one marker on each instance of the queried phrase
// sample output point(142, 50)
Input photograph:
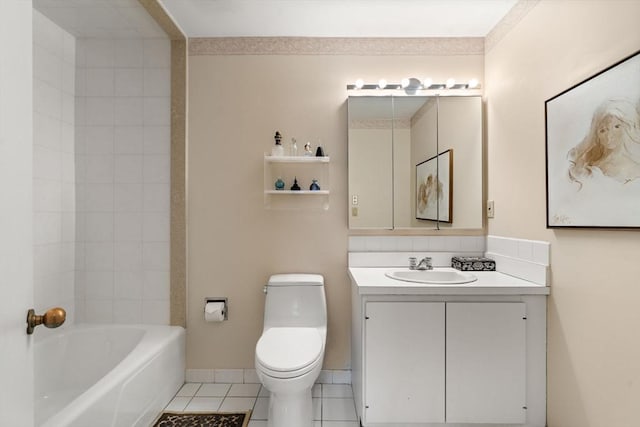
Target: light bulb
point(404, 83)
point(359, 83)
point(382, 83)
point(427, 82)
point(450, 83)
point(473, 83)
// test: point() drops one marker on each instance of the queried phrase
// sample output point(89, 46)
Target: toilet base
point(291, 410)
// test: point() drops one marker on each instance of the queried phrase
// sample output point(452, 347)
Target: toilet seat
point(289, 352)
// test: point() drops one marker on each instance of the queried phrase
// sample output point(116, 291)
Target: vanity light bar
point(427, 85)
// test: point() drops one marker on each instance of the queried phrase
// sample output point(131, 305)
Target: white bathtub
point(107, 375)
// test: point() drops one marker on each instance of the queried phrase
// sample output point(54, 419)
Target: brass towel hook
point(53, 318)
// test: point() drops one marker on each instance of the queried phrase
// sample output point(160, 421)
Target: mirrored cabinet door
point(415, 162)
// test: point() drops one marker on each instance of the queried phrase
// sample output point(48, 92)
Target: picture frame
point(592, 150)
point(434, 203)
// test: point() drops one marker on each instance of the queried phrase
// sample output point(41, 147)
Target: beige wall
point(236, 103)
point(593, 341)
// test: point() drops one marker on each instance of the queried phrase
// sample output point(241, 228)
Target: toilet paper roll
point(214, 312)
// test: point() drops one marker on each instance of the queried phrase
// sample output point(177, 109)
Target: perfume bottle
point(279, 184)
point(293, 148)
point(295, 186)
point(277, 150)
point(314, 185)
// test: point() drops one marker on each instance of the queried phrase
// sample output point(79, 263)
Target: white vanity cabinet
point(436, 362)
point(454, 356)
point(404, 363)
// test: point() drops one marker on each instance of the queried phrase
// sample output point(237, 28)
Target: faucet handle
point(412, 263)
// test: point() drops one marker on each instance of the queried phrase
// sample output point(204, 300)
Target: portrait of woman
point(612, 144)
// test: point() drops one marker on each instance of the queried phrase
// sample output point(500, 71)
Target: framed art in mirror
point(593, 150)
point(434, 188)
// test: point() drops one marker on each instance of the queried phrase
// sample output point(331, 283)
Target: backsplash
point(525, 259)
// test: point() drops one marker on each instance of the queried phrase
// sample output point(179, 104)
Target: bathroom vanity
point(448, 354)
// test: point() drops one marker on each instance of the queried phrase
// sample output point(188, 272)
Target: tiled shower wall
point(53, 166)
point(122, 167)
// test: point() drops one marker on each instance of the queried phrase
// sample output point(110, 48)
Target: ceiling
point(280, 18)
point(101, 18)
point(337, 18)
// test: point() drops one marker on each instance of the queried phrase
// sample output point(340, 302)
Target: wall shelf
point(305, 170)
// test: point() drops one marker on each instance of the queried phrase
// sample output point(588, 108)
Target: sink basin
point(436, 277)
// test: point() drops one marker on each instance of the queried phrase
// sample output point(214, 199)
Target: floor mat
point(203, 419)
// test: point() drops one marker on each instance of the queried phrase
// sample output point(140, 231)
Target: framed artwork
point(593, 150)
point(434, 187)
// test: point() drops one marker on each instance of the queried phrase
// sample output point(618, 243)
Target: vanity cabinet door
point(404, 362)
point(486, 363)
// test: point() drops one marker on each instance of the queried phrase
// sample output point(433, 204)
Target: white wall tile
point(156, 255)
point(99, 139)
point(99, 52)
point(125, 172)
point(157, 82)
point(229, 376)
point(127, 311)
point(157, 53)
point(98, 197)
point(129, 82)
point(157, 168)
point(99, 168)
point(47, 164)
point(99, 227)
point(155, 312)
point(128, 53)
point(128, 197)
point(128, 111)
point(129, 139)
point(128, 227)
point(156, 198)
point(99, 82)
point(128, 256)
point(156, 284)
point(47, 195)
point(99, 284)
point(157, 140)
point(47, 132)
point(128, 285)
point(101, 311)
point(200, 375)
point(157, 111)
point(156, 227)
point(128, 168)
point(99, 111)
point(99, 256)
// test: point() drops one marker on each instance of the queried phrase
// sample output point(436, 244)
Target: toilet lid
point(288, 349)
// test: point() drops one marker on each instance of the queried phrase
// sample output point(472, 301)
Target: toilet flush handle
point(264, 289)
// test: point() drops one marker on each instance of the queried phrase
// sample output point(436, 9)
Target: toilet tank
point(295, 300)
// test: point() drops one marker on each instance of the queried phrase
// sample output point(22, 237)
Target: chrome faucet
point(425, 264)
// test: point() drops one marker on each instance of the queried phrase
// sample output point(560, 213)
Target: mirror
point(396, 178)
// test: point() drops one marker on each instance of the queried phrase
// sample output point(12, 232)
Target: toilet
point(290, 352)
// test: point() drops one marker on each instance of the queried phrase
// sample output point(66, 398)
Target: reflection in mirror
point(389, 136)
point(371, 180)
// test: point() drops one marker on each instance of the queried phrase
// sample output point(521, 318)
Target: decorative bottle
point(277, 150)
point(314, 185)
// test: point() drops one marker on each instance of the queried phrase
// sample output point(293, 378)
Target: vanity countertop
point(372, 281)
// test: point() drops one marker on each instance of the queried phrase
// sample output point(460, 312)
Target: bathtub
point(106, 375)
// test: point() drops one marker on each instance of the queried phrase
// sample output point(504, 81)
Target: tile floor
point(333, 404)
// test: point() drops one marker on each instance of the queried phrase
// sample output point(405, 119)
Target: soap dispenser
point(277, 150)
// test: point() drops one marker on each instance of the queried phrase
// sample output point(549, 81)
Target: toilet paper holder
point(222, 300)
